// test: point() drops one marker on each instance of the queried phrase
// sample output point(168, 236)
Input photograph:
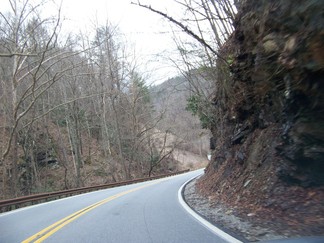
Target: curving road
point(143, 212)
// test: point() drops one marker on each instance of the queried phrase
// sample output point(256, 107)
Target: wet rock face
point(281, 64)
point(269, 153)
point(303, 147)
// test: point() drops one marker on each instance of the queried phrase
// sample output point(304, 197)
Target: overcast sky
point(150, 34)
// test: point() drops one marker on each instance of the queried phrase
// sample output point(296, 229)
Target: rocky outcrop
point(269, 155)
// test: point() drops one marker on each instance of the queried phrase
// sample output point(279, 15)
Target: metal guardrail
point(14, 203)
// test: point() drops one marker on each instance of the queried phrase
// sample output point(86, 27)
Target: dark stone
point(239, 156)
point(240, 135)
point(212, 143)
point(44, 158)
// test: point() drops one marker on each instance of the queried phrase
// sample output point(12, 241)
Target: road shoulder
point(225, 218)
point(203, 220)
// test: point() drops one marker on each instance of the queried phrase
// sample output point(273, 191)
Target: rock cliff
point(268, 162)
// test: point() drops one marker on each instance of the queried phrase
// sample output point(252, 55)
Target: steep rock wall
point(269, 155)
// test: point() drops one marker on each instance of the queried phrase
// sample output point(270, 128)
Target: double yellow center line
point(47, 232)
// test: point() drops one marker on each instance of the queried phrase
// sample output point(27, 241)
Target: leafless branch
point(184, 28)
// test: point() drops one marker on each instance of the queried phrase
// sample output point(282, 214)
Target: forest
point(73, 107)
point(76, 110)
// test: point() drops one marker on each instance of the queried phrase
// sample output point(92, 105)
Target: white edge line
point(203, 221)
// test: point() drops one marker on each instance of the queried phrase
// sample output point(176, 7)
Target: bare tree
point(58, 95)
point(210, 23)
point(30, 60)
point(31, 50)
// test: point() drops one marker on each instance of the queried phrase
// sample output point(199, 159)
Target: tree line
point(77, 100)
point(70, 99)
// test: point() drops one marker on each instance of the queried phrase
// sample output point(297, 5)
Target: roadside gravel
point(226, 218)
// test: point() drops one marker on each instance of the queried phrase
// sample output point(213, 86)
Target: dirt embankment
point(268, 163)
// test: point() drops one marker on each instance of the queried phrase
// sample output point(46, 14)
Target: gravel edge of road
point(225, 218)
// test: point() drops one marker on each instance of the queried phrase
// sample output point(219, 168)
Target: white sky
point(141, 27)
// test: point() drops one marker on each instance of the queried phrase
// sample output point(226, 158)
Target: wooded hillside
point(74, 109)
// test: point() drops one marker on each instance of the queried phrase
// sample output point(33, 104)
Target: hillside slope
point(170, 100)
point(268, 163)
point(50, 164)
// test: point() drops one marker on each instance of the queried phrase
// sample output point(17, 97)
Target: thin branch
point(17, 54)
point(183, 27)
point(63, 104)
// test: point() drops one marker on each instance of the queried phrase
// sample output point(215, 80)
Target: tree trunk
point(122, 160)
point(75, 150)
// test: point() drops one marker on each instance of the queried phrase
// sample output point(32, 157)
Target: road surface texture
point(143, 212)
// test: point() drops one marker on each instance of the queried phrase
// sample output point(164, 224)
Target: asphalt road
point(143, 212)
